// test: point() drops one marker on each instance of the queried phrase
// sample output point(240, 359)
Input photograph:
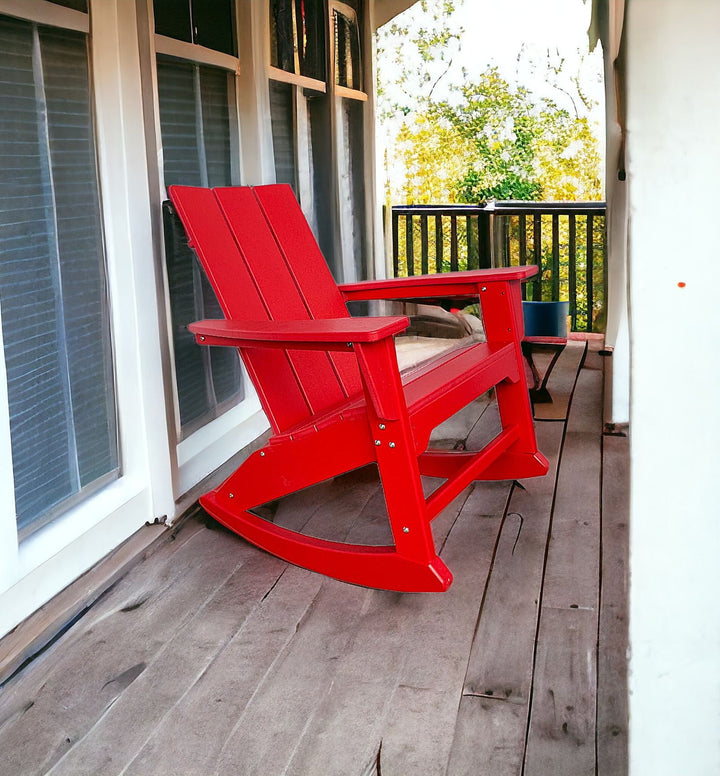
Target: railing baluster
point(453, 244)
point(439, 244)
point(395, 242)
point(473, 242)
point(572, 271)
point(484, 240)
point(589, 272)
point(409, 244)
point(555, 258)
point(537, 251)
point(522, 238)
point(424, 244)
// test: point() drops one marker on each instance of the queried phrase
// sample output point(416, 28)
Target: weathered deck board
point(561, 731)
point(561, 382)
point(424, 708)
point(499, 674)
point(612, 721)
point(210, 656)
point(108, 651)
point(193, 734)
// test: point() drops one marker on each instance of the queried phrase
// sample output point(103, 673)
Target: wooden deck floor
point(211, 657)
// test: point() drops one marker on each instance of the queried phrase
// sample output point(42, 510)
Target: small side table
point(539, 393)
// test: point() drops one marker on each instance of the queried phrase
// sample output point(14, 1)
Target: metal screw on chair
point(382, 427)
point(392, 444)
point(406, 529)
point(378, 442)
point(231, 495)
point(202, 339)
point(484, 288)
point(262, 453)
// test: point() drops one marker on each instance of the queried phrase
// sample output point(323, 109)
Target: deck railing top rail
point(505, 207)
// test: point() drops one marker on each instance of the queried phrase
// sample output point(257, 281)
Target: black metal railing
point(566, 239)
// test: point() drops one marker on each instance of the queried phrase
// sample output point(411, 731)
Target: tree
point(493, 141)
point(483, 139)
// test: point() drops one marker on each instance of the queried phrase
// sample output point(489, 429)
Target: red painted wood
point(347, 405)
point(324, 332)
point(295, 238)
point(280, 293)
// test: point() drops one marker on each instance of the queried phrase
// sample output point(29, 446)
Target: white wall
point(673, 176)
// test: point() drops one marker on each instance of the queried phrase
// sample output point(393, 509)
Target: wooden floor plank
point(490, 733)
point(191, 738)
point(561, 731)
point(38, 630)
point(561, 738)
point(612, 722)
point(586, 410)
point(561, 382)
point(267, 733)
point(346, 731)
point(175, 668)
point(421, 716)
point(74, 687)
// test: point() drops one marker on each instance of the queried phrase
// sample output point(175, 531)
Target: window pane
point(347, 51)
point(282, 35)
point(320, 153)
point(176, 94)
point(195, 127)
point(352, 185)
point(310, 24)
point(214, 22)
point(172, 18)
point(297, 37)
point(52, 272)
point(283, 132)
point(209, 23)
point(214, 99)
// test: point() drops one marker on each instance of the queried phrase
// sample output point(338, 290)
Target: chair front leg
point(502, 315)
point(395, 452)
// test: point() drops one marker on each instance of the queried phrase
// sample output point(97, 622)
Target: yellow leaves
point(428, 159)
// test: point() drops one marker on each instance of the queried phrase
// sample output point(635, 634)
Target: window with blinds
point(195, 127)
point(53, 296)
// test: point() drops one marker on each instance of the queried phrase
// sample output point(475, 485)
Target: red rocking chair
point(331, 387)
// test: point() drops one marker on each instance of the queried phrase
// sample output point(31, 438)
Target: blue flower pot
point(546, 319)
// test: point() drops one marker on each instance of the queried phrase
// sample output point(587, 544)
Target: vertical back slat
point(278, 286)
point(271, 371)
point(309, 269)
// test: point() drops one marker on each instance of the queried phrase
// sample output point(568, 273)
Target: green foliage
point(473, 187)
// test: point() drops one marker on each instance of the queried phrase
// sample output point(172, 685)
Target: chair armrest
point(318, 334)
point(439, 286)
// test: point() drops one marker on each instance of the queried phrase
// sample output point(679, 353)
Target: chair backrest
point(264, 264)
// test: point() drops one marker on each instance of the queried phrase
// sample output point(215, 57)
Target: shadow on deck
point(211, 657)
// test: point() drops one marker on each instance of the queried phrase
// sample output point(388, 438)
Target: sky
point(496, 31)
